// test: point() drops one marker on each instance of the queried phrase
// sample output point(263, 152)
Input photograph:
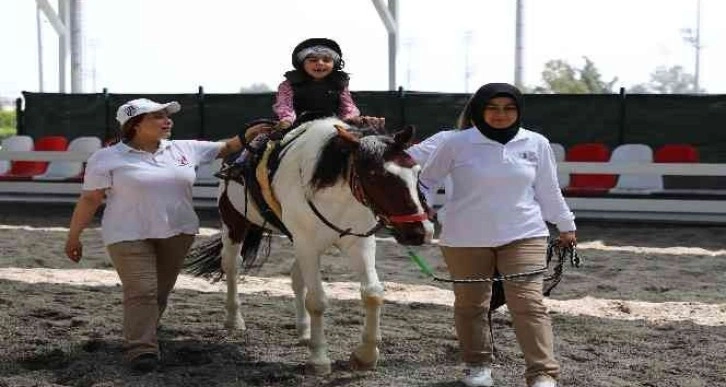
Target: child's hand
point(377, 123)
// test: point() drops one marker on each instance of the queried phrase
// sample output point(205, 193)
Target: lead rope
point(553, 249)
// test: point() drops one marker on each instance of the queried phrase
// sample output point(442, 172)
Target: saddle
point(260, 165)
point(257, 171)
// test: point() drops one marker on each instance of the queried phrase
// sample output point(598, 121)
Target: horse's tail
point(205, 259)
point(250, 247)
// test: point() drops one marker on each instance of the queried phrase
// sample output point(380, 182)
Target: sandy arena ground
point(648, 308)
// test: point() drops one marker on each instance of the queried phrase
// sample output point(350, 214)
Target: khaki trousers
point(148, 270)
point(532, 324)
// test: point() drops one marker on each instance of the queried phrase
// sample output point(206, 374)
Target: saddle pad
point(263, 179)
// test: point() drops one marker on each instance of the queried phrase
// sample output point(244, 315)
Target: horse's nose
point(429, 231)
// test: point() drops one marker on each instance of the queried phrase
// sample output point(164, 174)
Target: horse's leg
point(362, 251)
point(302, 318)
point(230, 252)
point(308, 261)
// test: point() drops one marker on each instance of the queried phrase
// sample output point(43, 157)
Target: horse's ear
point(405, 136)
point(344, 134)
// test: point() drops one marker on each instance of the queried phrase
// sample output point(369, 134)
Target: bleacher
point(632, 181)
point(50, 169)
point(635, 182)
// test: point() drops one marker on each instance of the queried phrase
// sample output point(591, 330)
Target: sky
point(175, 46)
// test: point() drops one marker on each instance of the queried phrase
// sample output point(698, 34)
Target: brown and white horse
point(335, 186)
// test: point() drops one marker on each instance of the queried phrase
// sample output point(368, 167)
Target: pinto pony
point(336, 185)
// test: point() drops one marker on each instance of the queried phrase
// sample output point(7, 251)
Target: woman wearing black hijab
point(505, 187)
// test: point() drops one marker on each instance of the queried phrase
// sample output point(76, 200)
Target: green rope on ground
point(420, 262)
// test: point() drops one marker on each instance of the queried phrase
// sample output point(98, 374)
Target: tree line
point(561, 77)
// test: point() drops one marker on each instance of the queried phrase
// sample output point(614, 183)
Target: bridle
point(359, 193)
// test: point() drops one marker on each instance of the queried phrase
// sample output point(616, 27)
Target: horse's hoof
point(235, 325)
point(318, 369)
point(303, 334)
point(357, 364)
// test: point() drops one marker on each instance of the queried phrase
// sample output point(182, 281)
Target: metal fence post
point(19, 118)
point(200, 102)
point(622, 118)
point(106, 116)
point(401, 96)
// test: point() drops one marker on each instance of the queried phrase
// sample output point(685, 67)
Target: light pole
point(698, 47)
point(519, 45)
point(694, 39)
point(467, 64)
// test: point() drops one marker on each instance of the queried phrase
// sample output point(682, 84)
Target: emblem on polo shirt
point(529, 156)
point(183, 160)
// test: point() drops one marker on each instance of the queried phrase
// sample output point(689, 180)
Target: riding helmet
point(313, 42)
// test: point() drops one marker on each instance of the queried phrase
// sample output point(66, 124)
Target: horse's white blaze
point(410, 178)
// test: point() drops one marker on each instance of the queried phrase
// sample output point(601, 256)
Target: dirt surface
point(648, 308)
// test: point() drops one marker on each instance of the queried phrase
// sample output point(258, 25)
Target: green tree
point(560, 77)
point(668, 80)
point(7, 123)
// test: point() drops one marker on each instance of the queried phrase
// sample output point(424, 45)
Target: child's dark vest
point(321, 97)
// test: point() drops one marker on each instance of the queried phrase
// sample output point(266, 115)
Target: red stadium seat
point(589, 184)
point(61, 170)
point(25, 170)
point(676, 153)
point(682, 153)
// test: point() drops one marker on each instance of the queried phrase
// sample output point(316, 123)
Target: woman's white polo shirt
point(502, 193)
point(148, 195)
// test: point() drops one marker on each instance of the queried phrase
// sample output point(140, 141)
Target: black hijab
point(475, 110)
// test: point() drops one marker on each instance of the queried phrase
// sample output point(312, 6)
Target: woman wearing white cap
point(149, 221)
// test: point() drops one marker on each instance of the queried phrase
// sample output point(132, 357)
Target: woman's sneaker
point(544, 381)
point(478, 376)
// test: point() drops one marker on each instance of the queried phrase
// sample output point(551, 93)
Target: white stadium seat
point(61, 169)
point(635, 183)
point(559, 152)
point(14, 143)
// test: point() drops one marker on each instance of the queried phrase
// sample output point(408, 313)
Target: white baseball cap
point(137, 107)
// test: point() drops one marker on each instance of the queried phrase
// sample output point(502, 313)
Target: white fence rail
point(707, 210)
point(694, 169)
point(44, 156)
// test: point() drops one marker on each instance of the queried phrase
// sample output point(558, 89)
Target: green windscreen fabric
point(432, 112)
point(567, 119)
point(226, 114)
point(70, 115)
point(683, 119)
point(380, 104)
point(571, 119)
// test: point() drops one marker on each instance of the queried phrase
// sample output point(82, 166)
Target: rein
point(359, 194)
point(347, 231)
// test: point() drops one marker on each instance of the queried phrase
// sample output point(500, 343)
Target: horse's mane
point(333, 162)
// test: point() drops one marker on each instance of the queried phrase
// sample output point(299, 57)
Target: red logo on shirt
point(183, 160)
